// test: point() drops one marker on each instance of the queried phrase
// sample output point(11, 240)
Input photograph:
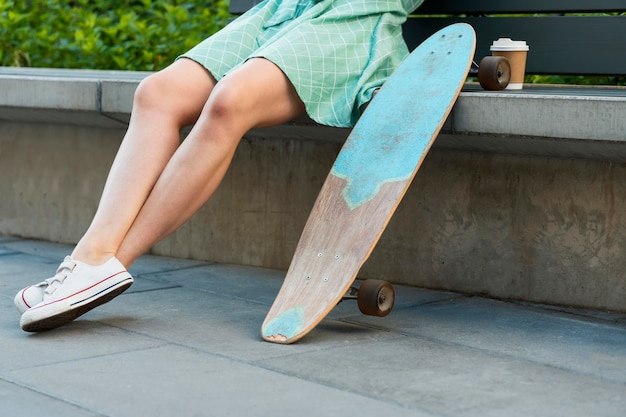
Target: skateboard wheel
point(494, 73)
point(375, 298)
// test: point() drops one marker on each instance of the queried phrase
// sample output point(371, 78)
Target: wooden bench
point(563, 37)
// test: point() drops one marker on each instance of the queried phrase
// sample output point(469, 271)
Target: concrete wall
point(533, 228)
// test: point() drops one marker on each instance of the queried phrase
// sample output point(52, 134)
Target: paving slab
point(193, 383)
point(223, 323)
point(16, 400)
point(184, 340)
point(82, 339)
point(448, 379)
point(578, 344)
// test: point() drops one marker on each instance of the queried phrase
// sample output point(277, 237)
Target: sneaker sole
point(65, 317)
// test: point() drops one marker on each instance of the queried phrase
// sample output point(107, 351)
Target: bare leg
point(164, 103)
point(258, 94)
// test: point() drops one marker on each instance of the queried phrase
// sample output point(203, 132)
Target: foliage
point(104, 34)
point(575, 79)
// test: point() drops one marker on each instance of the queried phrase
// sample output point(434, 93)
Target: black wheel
point(375, 298)
point(494, 73)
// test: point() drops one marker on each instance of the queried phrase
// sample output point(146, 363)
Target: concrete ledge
point(80, 97)
point(521, 198)
point(539, 120)
point(595, 114)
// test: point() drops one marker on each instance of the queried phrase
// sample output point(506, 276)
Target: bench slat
point(238, 7)
point(558, 45)
point(474, 7)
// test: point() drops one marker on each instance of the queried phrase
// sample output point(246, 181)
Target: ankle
point(90, 256)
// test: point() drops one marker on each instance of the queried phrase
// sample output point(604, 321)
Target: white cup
point(515, 52)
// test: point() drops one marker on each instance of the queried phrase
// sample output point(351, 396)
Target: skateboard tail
point(286, 327)
point(327, 261)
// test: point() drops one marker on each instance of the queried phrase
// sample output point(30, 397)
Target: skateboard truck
point(374, 297)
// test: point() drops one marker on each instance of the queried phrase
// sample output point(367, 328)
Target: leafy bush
point(575, 79)
point(104, 34)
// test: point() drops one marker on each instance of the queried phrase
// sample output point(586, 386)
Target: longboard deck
point(368, 180)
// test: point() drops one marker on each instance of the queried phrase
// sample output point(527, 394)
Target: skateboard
point(370, 176)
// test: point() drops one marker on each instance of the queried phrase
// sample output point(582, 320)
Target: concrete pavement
point(184, 341)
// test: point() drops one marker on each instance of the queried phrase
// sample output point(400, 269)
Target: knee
point(227, 103)
point(150, 92)
point(172, 95)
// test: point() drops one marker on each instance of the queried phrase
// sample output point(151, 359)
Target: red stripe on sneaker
point(83, 290)
point(100, 292)
point(23, 299)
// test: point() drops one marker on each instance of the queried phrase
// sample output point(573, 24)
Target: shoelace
point(64, 270)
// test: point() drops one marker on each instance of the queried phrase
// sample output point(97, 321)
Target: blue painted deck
point(398, 124)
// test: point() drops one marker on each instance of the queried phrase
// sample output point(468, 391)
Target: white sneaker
point(75, 289)
point(33, 294)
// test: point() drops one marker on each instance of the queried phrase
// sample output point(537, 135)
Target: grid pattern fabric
point(334, 52)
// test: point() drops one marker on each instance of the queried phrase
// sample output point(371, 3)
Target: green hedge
point(576, 79)
point(104, 34)
point(127, 34)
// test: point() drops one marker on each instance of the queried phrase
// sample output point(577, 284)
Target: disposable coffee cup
point(515, 52)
